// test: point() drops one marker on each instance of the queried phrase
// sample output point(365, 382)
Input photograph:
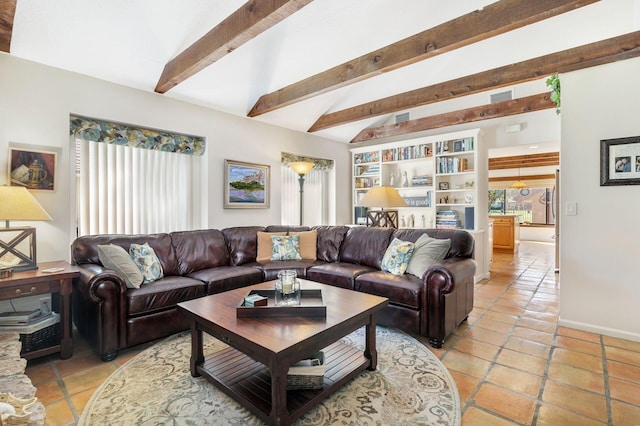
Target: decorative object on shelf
point(32, 168)
point(383, 197)
point(518, 184)
point(412, 221)
point(443, 186)
point(405, 179)
point(403, 223)
point(468, 198)
point(620, 161)
point(423, 221)
point(19, 244)
point(287, 288)
point(246, 185)
point(301, 168)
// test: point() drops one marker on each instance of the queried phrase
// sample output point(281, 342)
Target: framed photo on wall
point(246, 185)
point(620, 161)
point(33, 168)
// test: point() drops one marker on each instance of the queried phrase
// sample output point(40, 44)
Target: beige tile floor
point(512, 363)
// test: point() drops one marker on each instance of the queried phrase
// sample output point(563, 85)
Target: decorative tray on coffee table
point(311, 305)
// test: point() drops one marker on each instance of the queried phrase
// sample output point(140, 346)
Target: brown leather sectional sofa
point(198, 263)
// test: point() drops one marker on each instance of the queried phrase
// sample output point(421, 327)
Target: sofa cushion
point(330, 240)
point(197, 250)
point(271, 269)
point(402, 290)
point(365, 245)
point(338, 274)
point(242, 243)
point(118, 260)
point(223, 278)
point(427, 251)
point(85, 249)
point(307, 241)
point(396, 258)
point(163, 294)
point(462, 242)
point(146, 260)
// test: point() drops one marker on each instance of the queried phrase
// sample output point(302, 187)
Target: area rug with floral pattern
point(410, 387)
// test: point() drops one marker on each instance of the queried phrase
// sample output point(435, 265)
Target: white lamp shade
point(382, 196)
point(16, 203)
point(301, 167)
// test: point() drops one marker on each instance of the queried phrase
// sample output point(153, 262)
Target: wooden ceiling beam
point(484, 112)
point(7, 13)
point(253, 18)
point(524, 161)
point(611, 50)
point(494, 19)
point(525, 178)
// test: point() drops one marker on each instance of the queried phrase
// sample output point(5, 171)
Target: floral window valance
point(320, 163)
point(138, 137)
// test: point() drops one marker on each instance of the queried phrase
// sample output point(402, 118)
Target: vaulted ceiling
point(342, 69)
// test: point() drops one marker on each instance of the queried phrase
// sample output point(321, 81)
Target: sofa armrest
point(449, 296)
point(100, 308)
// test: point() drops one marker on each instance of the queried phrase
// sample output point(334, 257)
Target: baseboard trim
point(612, 332)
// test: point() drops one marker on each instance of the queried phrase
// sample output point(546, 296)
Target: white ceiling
point(130, 41)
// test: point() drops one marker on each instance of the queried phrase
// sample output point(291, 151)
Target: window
point(532, 205)
point(122, 189)
point(318, 196)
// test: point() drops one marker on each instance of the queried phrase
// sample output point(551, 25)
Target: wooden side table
point(59, 284)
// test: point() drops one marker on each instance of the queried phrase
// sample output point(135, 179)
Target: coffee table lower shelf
point(249, 381)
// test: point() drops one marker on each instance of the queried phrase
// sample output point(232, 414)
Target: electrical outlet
point(45, 305)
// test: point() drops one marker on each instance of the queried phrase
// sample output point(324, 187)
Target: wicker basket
point(42, 338)
point(40, 335)
point(307, 377)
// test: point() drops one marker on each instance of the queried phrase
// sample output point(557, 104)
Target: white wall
point(600, 246)
point(35, 104)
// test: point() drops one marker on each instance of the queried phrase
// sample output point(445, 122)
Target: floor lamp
point(18, 245)
point(383, 197)
point(301, 168)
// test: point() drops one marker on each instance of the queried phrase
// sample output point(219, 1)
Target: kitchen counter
point(506, 233)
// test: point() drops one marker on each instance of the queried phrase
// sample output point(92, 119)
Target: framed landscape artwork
point(32, 168)
point(620, 161)
point(246, 185)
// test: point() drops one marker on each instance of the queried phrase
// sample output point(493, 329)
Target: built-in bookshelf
point(443, 179)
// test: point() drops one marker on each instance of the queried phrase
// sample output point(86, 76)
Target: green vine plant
point(553, 82)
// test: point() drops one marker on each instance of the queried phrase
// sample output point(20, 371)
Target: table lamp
point(301, 168)
point(18, 245)
point(383, 197)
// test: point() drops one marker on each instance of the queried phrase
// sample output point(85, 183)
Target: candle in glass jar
point(287, 283)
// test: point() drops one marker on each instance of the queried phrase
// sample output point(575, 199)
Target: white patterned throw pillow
point(146, 260)
point(396, 258)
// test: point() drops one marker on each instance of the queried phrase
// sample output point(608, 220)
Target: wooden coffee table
point(253, 369)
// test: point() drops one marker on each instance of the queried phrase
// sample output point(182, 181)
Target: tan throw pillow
point(264, 246)
point(118, 260)
point(307, 241)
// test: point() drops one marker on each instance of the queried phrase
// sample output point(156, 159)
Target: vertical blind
point(126, 190)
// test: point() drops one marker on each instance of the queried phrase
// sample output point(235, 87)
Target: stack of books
point(448, 219)
point(307, 373)
point(23, 318)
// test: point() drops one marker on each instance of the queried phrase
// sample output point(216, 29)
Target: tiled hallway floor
point(511, 362)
